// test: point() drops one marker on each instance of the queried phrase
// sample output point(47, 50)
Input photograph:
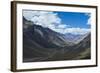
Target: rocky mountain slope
point(43, 44)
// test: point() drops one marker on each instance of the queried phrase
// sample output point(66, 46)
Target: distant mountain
point(43, 44)
point(73, 37)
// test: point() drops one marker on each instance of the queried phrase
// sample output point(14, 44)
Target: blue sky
point(61, 22)
point(74, 19)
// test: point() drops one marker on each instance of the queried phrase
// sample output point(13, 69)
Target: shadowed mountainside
point(43, 44)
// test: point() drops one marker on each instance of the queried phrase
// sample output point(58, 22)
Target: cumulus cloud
point(89, 19)
point(42, 18)
point(51, 20)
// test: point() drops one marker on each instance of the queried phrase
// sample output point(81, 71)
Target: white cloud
point(89, 20)
point(28, 14)
point(63, 26)
point(42, 18)
point(52, 21)
point(77, 30)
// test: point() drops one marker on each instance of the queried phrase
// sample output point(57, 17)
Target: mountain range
point(44, 44)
